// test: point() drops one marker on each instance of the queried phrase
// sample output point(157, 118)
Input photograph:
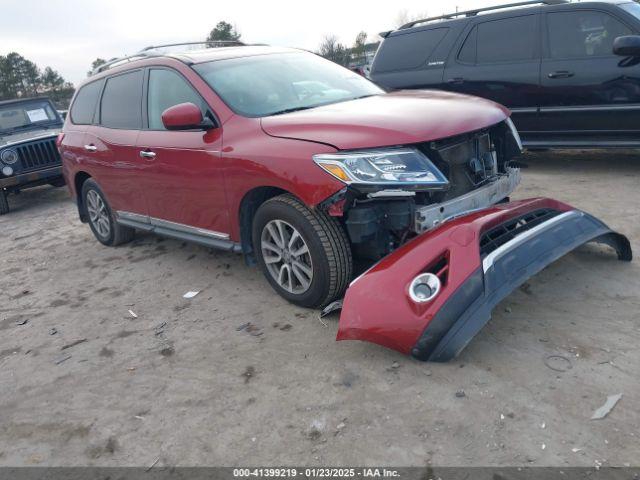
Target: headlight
point(9, 157)
point(387, 167)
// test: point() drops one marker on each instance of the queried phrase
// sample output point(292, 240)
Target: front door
point(588, 92)
point(499, 60)
point(184, 182)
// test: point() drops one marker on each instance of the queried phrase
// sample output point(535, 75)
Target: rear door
point(110, 144)
point(499, 59)
point(588, 92)
point(81, 115)
point(183, 174)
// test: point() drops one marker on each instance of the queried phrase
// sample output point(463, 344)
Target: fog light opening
point(7, 171)
point(424, 288)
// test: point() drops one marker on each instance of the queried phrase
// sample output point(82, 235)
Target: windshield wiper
point(292, 109)
point(45, 126)
point(364, 96)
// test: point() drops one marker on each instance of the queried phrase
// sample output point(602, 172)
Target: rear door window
point(409, 50)
point(166, 89)
point(583, 34)
point(121, 105)
point(505, 40)
point(84, 105)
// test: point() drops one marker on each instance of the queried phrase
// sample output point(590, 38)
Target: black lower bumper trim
point(26, 179)
point(469, 307)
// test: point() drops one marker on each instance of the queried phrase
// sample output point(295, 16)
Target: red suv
point(302, 165)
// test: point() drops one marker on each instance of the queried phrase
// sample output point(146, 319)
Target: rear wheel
point(101, 218)
point(4, 202)
point(304, 254)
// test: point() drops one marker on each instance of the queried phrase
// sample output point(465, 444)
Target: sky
point(68, 35)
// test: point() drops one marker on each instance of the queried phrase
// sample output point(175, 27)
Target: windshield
point(23, 115)
point(278, 83)
point(633, 8)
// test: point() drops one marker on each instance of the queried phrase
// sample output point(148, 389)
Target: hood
point(20, 136)
point(398, 118)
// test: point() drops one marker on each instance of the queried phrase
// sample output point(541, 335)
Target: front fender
point(479, 258)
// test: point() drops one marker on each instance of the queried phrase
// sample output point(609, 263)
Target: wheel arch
point(78, 180)
point(249, 205)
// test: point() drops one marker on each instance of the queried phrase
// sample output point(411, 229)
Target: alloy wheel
point(286, 256)
point(98, 214)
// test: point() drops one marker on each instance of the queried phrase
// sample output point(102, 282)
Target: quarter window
point(583, 34)
point(122, 101)
point(166, 89)
point(84, 105)
point(409, 50)
point(505, 40)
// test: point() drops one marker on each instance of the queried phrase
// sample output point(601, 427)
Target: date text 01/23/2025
point(317, 472)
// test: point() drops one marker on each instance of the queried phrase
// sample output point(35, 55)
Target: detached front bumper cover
point(479, 259)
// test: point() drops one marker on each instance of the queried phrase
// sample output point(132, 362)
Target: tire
point(4, 202)
point(328, 252)
point(100, 217)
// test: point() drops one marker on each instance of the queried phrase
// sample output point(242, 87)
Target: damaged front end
point(432, 295)
point(393, 194)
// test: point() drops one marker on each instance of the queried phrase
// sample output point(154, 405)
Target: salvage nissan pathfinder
point(302, 165)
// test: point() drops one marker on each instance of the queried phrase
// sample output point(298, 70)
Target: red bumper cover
point(479, 259)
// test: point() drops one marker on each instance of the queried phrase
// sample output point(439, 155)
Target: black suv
point(570, 72)
point(28, 154)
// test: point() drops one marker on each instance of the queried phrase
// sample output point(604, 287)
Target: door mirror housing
point(185, 116)
point(627, 46)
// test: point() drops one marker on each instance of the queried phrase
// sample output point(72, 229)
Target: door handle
point(147, 154)
point(560, 74)
point(90, 148)
point(456, 80)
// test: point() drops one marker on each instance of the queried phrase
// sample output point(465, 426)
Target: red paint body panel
point(184, 183)
point(397, 118)
point(117, 166)
point(181, 115)
point(200, 179)
point(377, 307)
point(253, 159)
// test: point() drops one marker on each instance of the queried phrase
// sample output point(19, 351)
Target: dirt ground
point(182, 384)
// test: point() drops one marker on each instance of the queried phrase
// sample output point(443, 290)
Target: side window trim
point(546, 53)
point(98, 116)
point(537, 53)
point(466, 34)
point(145, 96)
point(96, 111)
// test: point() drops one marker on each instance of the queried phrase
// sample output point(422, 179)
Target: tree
point(224, 31)
point(333, 50)
point(359, 48)
point(95, 64)
point(405, 17)
point(20, 77)
point(31, 79)
point(51, 80)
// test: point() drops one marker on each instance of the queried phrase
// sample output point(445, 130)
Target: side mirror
point(185, 116)
point(627, 46)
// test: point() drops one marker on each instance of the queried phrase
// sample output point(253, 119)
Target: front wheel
point(304, 254)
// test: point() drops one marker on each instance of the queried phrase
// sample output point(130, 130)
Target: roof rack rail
point(117, 61)
point(149, 52)
point(472, 13)
point(213, 43)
